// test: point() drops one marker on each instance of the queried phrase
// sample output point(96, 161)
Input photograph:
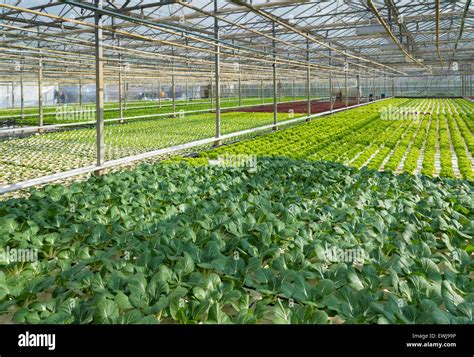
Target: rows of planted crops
point(39, 155)
point(433, 137)
point(429, 136)
point(177, 242)
point(292, 238)
point(74, 113)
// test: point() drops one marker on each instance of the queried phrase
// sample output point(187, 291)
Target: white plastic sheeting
point(30, 95)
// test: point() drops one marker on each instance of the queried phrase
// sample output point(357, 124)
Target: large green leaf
point(108, 311)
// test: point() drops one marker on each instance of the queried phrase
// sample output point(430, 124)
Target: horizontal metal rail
point(166, 102)
point(126, 160)
point(92, 105)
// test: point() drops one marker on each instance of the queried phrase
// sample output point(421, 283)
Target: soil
point(298, 107)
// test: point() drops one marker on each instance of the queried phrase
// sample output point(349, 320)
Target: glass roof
point(155, 38)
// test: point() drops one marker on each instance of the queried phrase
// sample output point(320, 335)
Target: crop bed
point(299, 107)
point(364, 137)
point(175, 242)
point(358, 137)
point(37, 155)
point(73, 113)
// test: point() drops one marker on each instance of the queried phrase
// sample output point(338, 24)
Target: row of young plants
point(382, 145)
point(393, 162)
point(291, 242)
point(414, 152)
point(65, 150)
point(50, 108)
point(164, 103)
point(344, 148)
point(429, 132)
point(465, 165)
point(468, 117)
point(374, 146)
point(465, 116)
point(360, 137)
point(49, 112)
point(309, 138)
point(74, 113)
point(441, 113)
point(428, 164)
point(462, 120)
point(396, 157)
point(446, 159)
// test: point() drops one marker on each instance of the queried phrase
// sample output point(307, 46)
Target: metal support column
point(428, 86)
point(40, 92)
point(374, 84)
point(374, 89)
point(275, 101)
point(120, 95)
point(261, 90)
point(381, 86)
point(293, 89)
point(99, 83)
point(470, 80)
point(173, 92)
point(211, 93)
point(186, 91)
point(120, 85)
point(159, 93)
point(13, 94)
point(466, 81)
point(280, 90)
point(367, 90)
point(358, 88)
point(125, 98)
point(217, 76)
point(240, 90)
point(466, 85)
point(40, 85)
point(80, 90)
point(308, 80)
point(384, 85)
point(330, 80)
point(346, 87)
point(22, 97)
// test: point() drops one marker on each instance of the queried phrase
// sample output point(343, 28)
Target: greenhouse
point(236, 162)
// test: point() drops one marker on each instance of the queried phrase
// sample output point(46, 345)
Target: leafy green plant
point(178, 242)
